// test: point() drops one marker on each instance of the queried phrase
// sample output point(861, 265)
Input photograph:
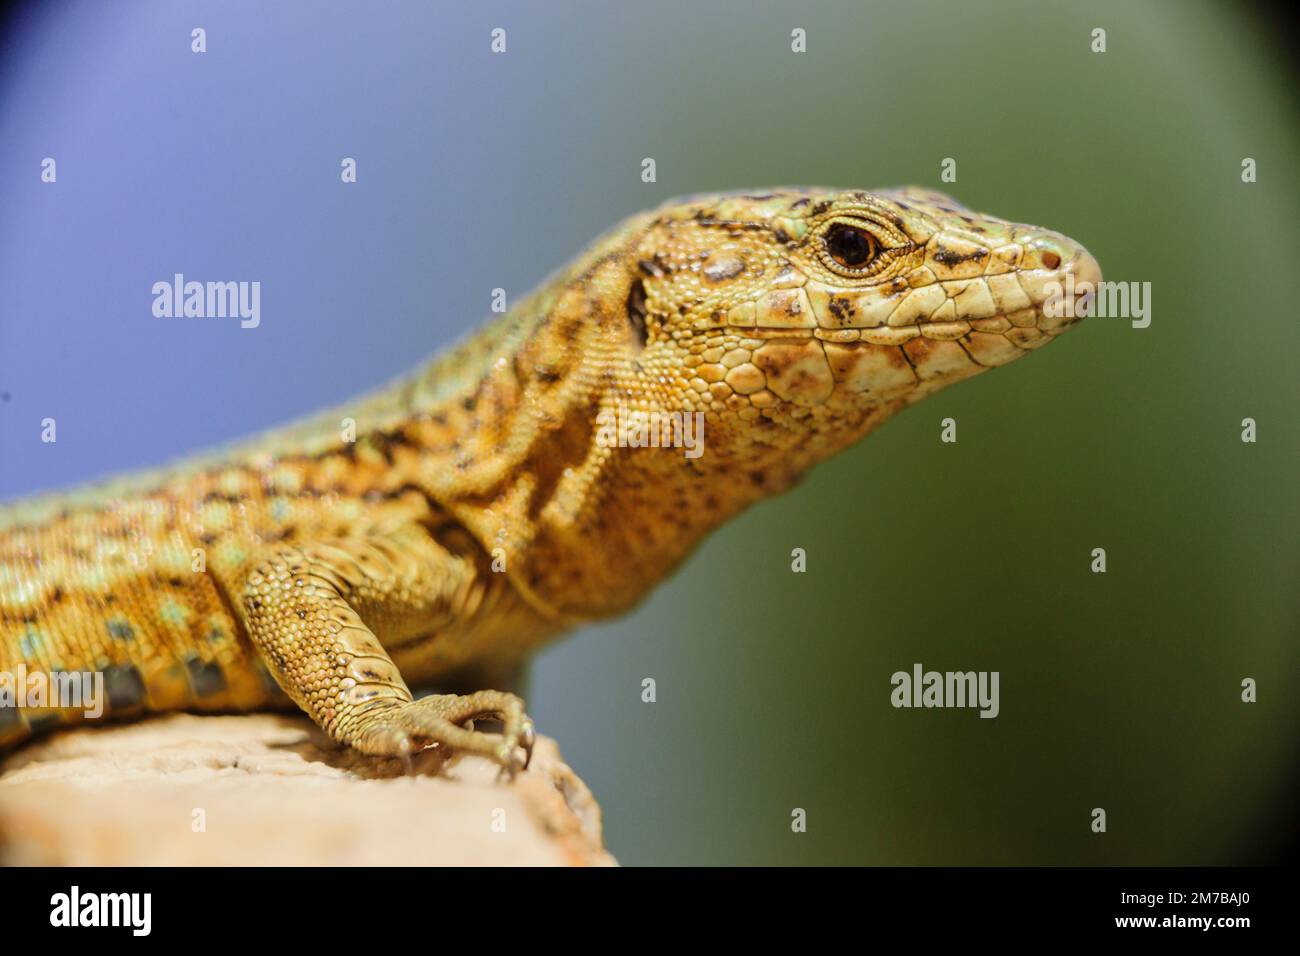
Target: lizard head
point(798, 319)
point(786, 325)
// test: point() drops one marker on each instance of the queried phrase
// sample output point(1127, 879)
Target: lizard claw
point(507, 753)
point(527, 739)
point(448, 720)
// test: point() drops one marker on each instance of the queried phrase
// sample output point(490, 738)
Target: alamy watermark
point(1113, 300)
point(923, 688)
point(75, 908)
point(67, 690)
point(208, 300)
point(622, 427)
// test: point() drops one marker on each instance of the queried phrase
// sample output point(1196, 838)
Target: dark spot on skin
point(897, 220)
point(821, 207)
point(842, 309)
point(44, 723)
point(757, 477)
point(947, 257)
point(650, 268)
point(121, 630)
point(57, 596)
point(124, 686)
point(781, 235)
point(385, 442)
point(206, 677)
point(383, 494)
point(799, 203)
point(547, 374)
point(221, 496)
point(736, 224)
point(636, 312)
point(570, 328)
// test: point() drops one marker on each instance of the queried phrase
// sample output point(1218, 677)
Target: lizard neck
point(505, 434)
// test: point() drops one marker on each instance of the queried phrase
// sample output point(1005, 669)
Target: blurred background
point(476, 170)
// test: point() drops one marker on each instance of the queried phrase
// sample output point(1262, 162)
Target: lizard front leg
point(318, 614)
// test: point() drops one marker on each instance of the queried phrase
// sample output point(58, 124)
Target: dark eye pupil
point(849, 246)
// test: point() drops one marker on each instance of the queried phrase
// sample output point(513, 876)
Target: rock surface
point(273, 790)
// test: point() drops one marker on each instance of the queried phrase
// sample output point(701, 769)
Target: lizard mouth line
point(898, 334)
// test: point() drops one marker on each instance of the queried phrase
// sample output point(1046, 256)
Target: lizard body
point(482, 509)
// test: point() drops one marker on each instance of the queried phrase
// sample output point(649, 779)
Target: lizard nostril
point(1050, 259)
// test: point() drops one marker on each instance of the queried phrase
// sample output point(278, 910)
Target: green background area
point(1118, 690)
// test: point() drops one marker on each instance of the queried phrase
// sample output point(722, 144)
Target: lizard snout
point(1061, 277)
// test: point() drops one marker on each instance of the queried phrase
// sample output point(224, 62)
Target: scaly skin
point(479, 513)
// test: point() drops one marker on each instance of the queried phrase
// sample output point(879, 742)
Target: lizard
point(479, 508)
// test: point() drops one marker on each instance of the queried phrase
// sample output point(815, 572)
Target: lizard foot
point(405, 728)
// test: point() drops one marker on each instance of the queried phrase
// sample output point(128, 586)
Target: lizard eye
point(849, 248)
